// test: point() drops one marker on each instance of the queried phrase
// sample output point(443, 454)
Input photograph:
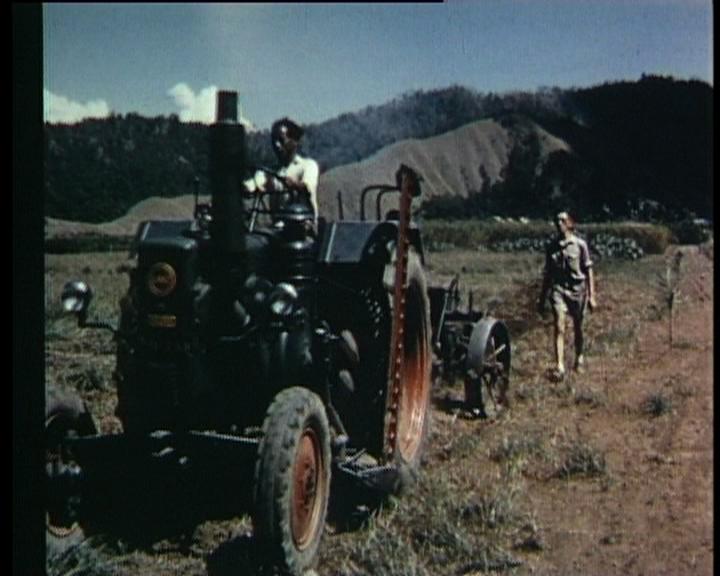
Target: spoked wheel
point(488, 375)
point(65, 417)
point(494, 376)
point(292, 480)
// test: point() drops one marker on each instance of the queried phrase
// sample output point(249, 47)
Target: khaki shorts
point(567, 301)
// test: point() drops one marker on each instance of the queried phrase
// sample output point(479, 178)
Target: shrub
point(650, 238)
point(624, 240)
point(690, 232)
point(610, 246)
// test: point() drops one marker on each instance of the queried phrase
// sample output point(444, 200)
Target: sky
point(313, 62)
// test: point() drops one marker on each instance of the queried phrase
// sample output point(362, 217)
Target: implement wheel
point(488, 368)
point(292, 480)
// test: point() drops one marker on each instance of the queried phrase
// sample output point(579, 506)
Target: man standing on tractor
point(568, 277)
point(297, 174)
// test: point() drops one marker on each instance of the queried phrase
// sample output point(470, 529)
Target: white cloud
point(59, 109)
point(194, 108)
point(200, 107)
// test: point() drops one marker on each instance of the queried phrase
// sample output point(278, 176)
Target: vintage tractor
point(250, 341)
point(252, 345)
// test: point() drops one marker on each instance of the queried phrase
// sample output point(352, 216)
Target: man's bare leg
point(560, 342)
point(579, 345)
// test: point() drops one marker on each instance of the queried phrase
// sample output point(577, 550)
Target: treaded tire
point(65, 415)
point(292, 480)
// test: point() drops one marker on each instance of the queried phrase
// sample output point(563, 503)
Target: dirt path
point(651, 513)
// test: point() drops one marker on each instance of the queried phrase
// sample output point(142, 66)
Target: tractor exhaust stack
point(226, 171)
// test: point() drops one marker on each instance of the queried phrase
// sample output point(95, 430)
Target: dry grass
point(443, 526)
point(581, 459)
point(470, 512)
point(657, 404)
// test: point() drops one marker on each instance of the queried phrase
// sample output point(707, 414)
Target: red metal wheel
point(308, 484)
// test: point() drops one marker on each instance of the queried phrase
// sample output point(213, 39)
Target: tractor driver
point(296, 172)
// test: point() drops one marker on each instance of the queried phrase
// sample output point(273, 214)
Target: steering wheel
point(259, 197)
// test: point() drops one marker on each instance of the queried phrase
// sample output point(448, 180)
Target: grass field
point(472, 511)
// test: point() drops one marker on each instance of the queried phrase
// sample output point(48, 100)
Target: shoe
point(474, 414)
point(580, 364)
point(557, 375)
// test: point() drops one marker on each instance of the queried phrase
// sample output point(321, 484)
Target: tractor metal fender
point(352, 242)
point(481, 332)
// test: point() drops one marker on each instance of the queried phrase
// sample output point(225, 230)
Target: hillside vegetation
point(640, 150)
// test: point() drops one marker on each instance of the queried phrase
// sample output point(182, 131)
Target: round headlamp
point(282, 299)
point(161, 279)
point(76, 296)
point(257, 288)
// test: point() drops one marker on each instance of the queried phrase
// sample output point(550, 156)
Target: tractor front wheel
point(292, 480)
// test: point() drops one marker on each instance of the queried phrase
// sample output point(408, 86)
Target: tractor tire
point(292, 480)
point(65, 416)
point(413, 413)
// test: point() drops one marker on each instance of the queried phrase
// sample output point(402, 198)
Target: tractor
point(254, 343)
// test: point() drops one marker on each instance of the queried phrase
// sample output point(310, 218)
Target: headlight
point(258, 289)
point(161, 279)
point(76, 297)
point(282, 299)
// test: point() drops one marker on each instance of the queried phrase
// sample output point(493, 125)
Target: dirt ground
point(653, 513)
point(644, 407)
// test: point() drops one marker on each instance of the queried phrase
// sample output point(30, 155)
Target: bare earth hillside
point(449, 163)
point(178, 208)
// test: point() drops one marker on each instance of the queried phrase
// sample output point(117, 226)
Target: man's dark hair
point(567, 218)
point(289, 127)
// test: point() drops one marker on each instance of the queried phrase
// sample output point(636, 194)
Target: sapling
point(669, 284)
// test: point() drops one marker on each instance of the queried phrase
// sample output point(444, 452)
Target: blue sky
point(313, 62)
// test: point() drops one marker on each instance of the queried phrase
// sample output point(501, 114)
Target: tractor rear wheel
point(292, 480)
point(413, 409)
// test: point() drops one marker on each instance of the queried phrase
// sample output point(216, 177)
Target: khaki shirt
point(567, 261)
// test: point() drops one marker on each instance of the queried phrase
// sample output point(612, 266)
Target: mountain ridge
point(607, 151)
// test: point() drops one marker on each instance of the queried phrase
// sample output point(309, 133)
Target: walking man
point(568, 278)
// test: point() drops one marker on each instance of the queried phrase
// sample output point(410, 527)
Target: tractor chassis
point(170, 453)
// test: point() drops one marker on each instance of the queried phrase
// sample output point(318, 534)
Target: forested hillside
point(634, 149)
